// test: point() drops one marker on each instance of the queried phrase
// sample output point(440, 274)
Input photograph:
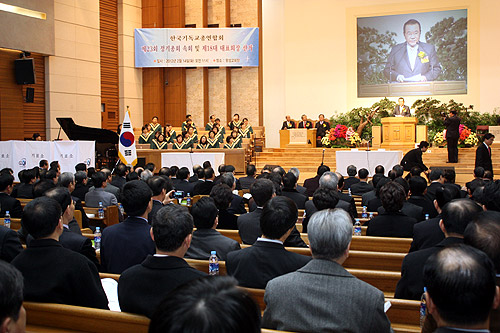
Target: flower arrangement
point(339, 132)
point(355, 139)
point(439, 138)
point(464, 132)
point(472, 139)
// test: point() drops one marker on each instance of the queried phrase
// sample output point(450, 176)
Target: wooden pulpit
point(298, 137)
point(398, 132)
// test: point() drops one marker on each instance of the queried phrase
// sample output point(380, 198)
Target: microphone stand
point(323, 156)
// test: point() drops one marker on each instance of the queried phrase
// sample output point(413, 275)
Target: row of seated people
point(360, 307)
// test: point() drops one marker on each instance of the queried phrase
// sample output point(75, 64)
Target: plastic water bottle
point(371, 215)
point(97, 238)
point(426, 216)
point(349, 191)
point(364, 214)
point(213, 264)
point(100, 211)
point(188, 200)
point(120, 207)
point(6, 219)
point(423, 308)
point(357, 228)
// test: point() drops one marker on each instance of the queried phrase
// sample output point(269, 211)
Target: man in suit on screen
point(413, 60)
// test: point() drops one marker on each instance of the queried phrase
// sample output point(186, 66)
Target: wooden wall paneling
point(108, 25)
point(11, 97)
point(34, 113)
point(261, 69)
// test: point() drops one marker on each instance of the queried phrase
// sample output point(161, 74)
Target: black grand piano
point(106, 141)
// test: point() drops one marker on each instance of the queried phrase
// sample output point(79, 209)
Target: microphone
point(323, 156)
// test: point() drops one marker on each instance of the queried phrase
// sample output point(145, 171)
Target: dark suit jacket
point(290, 124)
point(311, 209)
point(142, 287)
point(308, 124)
point(246, 182)
point(254, 266)
point(10, 204)
point(157, 205)
point(227, 220)
point(431, 190)
point(311, 185)
point(426, 204)
point(452, 125)
point(475, 183)
point(366, 197)
point(411, 285)
point(413, 158)
point(391, 225)
point(361, 188)
point(118, 181)
point(347, 198)
point(483, 158)
point(322, 128)
point(399, 64)
point(80, 191)
point(22, 191)
point(10, 245)
point(408, 209)
point(237, 205)
point(78, 243)
point(53, 274)
point(426, 234)
point(207, 240)
point(404, 111)
point(193, 179)
point(203, 188)
point(349, 181)
point(184, 185)
point(125, 245)
point(249, 230)
point(299, 199)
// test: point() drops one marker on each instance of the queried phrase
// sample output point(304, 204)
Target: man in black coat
point(322, 126)
point(311, 184)
point(323, 198)
point(455, 217)
point(413, 158)
point(418, 186)
point(205, 187)
point(10, 245)
point(452, 124)
point(237, 203)
point(142, 287)
point(267, 258)
point(52, 273)
point(249, 224)
point(437, 180)
point(81, 187)
point(483, 153)
point(121, 172)
point(290, 191)
point(247, 181)
point(351, 180)
point(8, 203)
point(183, 183)
point(129, 242)
point(288, 123)
point(25, 188)
point(362, 186)
point(346, 197)
point(205, 237)
point(162, 190)
point(304, 123)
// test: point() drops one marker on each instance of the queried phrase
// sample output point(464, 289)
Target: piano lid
point(77, 132)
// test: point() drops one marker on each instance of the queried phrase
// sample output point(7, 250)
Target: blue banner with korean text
point(205, 47)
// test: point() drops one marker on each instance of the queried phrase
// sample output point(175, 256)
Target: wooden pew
point(233, 234)
point(111, 216)
point(15, 223)
point(404, 315)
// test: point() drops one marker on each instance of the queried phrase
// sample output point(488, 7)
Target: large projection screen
point(414, 54)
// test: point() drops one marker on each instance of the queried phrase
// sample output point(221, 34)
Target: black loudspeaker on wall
point(30, 95)
point(25, 71)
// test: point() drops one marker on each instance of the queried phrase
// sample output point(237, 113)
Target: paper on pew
point(387, 306)
point(247, 196)
point(110, 287)
point(90, 216)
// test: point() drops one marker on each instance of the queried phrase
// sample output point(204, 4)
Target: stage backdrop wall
point(309, 55)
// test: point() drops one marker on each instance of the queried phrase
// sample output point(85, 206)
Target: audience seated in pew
point(366, 197)
point(162, 191)
point(81, 187)
point(267, 258)
point(8, 203)
point(129, 243)
point(99, 195)
point(222, 196)
point(204, 187)
point(455, 217)
point(205, 237)
point(351, 180)
point(25, 188)
point(311, 184)
point(67, 180)
point(290, 190)
point(302, 300)
point(362, 186)
point(237, 204)
point(12, 312)
point(418, 186)
point(143, 286)
point(10, 245)
point(491, 196)
point(249, 179)
point(52, 273)
point(210, 304)
point(121, 172)
point(183, 183)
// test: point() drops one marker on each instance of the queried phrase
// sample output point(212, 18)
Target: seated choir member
point(129, 243)
point(301, 301)
point(193, 137)
point(155, 126)
point(143, 286)
point(52, 273)
point(221, 128)
point(12, 312)
point(229, 143)
point(205, 237)
point(267, 258)
point(147, 135)
point(188, 123)
point(179, 143)
point(159, 142)
point(169, 133)
point(203, 144)
point(212, 141)
point(235, 123)
point(246, 129)
point(219, 133)
point(197, 307)
point(188, 140)
point(210, 124)
point(237, 139)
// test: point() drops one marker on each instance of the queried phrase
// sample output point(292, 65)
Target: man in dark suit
point(267, 258)
point(205, 237)
point(129, 243)
point(301, 301)
point(428, 233)
point(346, 197)
point(81, 187)
point(205, 187)
point(25, 188)
point(195, 176)
point(52, 273)
point(401, 109)
point(143, 286)
point(351, 180)
point(8, 203)
point(288, 123)
point(304, 123)
point(455, 217)
point(413, 60)
point(249, 224)
point(322, 126)
point(311, 184)
point(13, 313)
point(94, 197)
point(237, 203)
point(437, 180)
point(247, 181)
point(10, 245)
point(121, 172)
point(452, 124)
point(418, 186)
point(477, 181)
point(162, 189)
point(289, 190)
point(483, 153)
point(413, 158)
point(366, 197)
point(183, 184)
point(362, 186)
point(323, 198)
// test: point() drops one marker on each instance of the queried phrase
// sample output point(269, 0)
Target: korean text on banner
point(204, 47)
point(127, 151)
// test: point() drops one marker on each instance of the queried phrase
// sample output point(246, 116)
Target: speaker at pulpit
point(398, 132)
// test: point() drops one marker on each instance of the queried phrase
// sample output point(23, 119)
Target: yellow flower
point(423, 57)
